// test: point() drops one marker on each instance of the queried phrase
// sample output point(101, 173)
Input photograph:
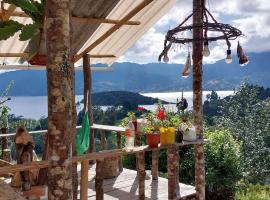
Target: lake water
point(36, 106)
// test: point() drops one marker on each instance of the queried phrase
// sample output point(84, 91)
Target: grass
point(254, 192)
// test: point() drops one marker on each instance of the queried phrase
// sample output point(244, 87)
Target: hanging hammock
point(82, 138)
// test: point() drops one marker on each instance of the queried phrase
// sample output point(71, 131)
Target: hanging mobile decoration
point(243, 60)
point(221, 32)
point(186, 72)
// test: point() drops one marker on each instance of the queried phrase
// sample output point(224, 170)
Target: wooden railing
point(172, 163)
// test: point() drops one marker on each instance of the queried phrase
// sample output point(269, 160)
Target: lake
point(36, 106)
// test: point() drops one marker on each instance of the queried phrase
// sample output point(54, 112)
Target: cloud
point(252, 17)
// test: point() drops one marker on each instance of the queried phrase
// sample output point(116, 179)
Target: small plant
point(131, 116)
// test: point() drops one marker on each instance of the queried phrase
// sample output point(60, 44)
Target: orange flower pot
point(153, 140)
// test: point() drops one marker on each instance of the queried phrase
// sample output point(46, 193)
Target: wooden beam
point(102, 20)
point(93, 156)
point(16, 14)
point(89, 20)
point(27, 55)
point(14, 55)
point(124, 20)
point(6, 14)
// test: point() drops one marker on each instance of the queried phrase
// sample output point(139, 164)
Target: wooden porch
point(126, 186)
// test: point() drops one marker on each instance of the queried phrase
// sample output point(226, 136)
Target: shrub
point(222, 157)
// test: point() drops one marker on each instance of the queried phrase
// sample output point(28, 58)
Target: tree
point(246, 116)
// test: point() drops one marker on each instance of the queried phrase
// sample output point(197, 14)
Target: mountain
point(122, 97)
point(152, 77)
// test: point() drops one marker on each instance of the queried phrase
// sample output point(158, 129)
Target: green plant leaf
point(25, 5)
point(9, 28)
point(28, 31)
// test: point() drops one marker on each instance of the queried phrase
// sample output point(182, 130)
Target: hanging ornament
point(228, 58)
point(206, 51)
point(243, 59)
point(185, 72)
point(166, 58)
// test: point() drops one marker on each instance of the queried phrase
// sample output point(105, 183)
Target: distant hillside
point(152, 77)
point(121, 97)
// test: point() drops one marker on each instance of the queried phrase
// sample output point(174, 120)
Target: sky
point(252, 17)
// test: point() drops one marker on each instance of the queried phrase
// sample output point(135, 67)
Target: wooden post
point(155, 164)
point(84, 180)
point(87, 75)
point(4, 139)
point(103, 140)
point(119, 146)
point(172, 163)
point(141, 174)
point(61, 99)
point(197, 98)
point(99, 180)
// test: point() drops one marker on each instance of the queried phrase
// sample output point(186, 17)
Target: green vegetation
point(33, 9)
point(237, 157)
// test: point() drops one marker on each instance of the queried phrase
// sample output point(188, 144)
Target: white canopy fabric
point(116, 44)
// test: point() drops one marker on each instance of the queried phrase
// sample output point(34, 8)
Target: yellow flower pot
point(167, 135)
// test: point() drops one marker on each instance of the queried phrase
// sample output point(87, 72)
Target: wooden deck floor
point(125, 187)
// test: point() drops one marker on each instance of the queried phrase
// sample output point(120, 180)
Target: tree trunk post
point(155, 164)
point(197, 98)
point(99, 180)
point(103, 140)
point(84, 180)
point(87, 75)
point(119, 146)
point(172, 163)
point(141, 174)
point(61, 100)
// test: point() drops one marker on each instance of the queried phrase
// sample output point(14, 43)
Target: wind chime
point(218, 31)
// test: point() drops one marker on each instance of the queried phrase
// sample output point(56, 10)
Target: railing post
point(119, 146)
point(84, 180)
point(141, 174)
point(172, 171)
point(155, 164)
point(99, 180)
point(103, 140)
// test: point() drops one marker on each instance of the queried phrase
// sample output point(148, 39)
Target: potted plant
point(167, 129)
point(189, 131)
point(151, 131)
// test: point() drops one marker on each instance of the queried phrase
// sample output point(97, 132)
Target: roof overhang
point(105, 38)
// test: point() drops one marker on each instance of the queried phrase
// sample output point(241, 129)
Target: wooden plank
point(119, 188)
point(108, 128)
point(94, 156)
point(94, 126)
point(102, 20)
point(124, 20)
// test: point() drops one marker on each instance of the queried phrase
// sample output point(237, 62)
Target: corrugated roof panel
point(117, 44)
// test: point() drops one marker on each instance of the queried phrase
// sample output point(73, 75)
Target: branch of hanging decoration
point(220, 32)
